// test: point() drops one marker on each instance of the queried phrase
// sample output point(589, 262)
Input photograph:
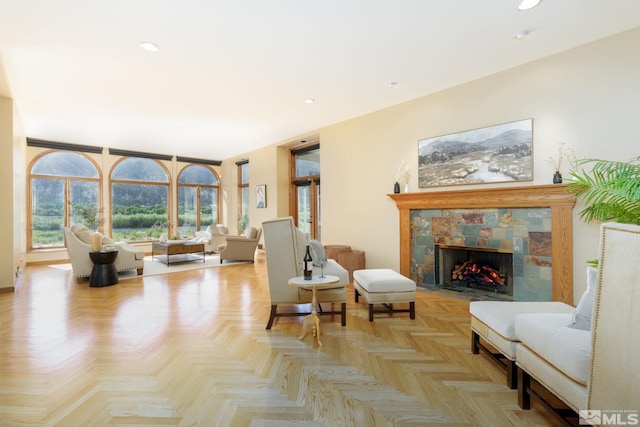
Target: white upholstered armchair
point(285, 246)
point(79, 246)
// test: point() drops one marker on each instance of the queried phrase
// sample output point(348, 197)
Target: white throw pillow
point(317, 252)
point(584, 310)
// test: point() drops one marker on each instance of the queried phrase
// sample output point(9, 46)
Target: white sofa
point(597, 368)
point(212, 237)
point(285, 247)
point(77, 240)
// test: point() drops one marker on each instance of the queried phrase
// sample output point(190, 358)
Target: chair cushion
point(383, 280)
point(250, 233)
point(500, 315)
point(83, 233)
point(547, 335)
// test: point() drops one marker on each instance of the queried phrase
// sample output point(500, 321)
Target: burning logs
point(476, 274)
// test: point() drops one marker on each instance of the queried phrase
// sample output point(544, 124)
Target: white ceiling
point(232, 75)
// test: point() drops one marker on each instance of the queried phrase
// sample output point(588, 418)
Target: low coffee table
point(177, 252)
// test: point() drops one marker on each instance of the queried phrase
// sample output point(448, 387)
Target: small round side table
point(104, 271)
point(313, 320)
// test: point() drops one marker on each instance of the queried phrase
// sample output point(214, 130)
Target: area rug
point(154, 267)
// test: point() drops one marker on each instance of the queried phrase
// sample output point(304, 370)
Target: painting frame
point(261, 196)
point(492, 154)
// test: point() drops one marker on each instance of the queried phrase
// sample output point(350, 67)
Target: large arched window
point(64, 190)
point(198, 196)
point(139, 200)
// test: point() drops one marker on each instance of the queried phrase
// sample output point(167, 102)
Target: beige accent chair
point(285, 246)
point(77, 240)
point(241, 248)
point(596, 367)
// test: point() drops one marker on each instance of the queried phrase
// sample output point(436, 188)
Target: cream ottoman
point(494, 322)
point(385, 286)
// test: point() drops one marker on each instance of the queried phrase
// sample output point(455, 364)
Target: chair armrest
point(238, 239)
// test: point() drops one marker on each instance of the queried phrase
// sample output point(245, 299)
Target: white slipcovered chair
point(285, 246)
point(77, 240)
point(594, 366)
point(212, 237)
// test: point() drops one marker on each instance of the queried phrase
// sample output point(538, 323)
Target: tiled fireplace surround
point(534, 222)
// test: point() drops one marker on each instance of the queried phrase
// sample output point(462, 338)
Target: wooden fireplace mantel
point(554, 197)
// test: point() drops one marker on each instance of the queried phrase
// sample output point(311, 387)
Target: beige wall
point(586, 97)
point(12, 187)
point(6, 193)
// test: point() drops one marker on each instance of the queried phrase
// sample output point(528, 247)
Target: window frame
point(171, 227)
point(313, 181)
point(198, 188)
point(66, 179)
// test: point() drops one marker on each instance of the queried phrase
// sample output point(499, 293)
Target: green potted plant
point(609, 189)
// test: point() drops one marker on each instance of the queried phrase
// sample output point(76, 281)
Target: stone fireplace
point(534, 223)
point(515, 241)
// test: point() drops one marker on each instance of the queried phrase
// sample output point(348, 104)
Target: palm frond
point(609, 189)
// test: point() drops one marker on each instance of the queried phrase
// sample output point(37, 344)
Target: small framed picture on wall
point(261, 196)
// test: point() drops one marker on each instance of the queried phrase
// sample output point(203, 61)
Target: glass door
point(308, 208)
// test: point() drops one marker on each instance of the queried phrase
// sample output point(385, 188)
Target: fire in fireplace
point(483, 269)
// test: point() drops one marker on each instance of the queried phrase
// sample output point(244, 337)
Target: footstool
point(494, 322)
point(385, 286)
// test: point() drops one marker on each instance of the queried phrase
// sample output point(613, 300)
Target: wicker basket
point(332, 251)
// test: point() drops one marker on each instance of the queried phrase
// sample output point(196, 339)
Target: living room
point(585, 97)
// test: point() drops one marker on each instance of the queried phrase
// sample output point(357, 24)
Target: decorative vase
point(396, 188)
point(557, 178)
point(96, 242)
point(406, 187)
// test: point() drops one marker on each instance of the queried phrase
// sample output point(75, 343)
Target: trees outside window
point(139, 200)
point(64, 190)
point(198, 196)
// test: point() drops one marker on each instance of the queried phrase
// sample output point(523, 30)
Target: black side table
point(104, 271)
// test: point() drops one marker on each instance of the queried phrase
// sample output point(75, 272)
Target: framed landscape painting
point(501, 153)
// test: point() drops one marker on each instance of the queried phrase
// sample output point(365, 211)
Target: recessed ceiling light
point(521, 35)
point(528, 4)
point(309, 101)
point(149, 47)
point(391, 85)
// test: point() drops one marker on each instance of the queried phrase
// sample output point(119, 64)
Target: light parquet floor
point(190, 349)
